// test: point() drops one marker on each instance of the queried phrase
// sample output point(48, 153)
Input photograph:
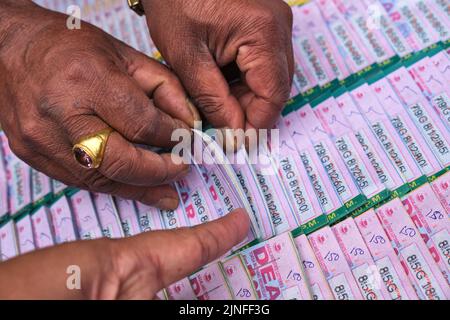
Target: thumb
point(205, 83)
point(179, 253)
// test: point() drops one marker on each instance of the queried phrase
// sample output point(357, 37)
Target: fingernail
point(194, 112)
point(231, 141)
point(168, 204)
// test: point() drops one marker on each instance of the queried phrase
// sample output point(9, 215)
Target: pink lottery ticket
point(41, 185)
point(420, 110)
point(319, 286)
point(323, 187)
point(58, 186)
point(392, 273)
point(385, 132)
point(247, 178)
point(42, 228)
point(210, 284)
point(181, 290)
point(441, 61)
point(330, 159)
point(416, 31)
point(196, 199)
point(429, 281)
point(434, 17)
point(443, 6)
point(355, 54)
point(311, 19)
point(311, 53)
point(431, 82)
point(382, 21)
point(295, 179)
point(85, 216)
point(334, 265)
point(150, 218)
point(128, 216)
point(238, 279)
point(405, 127)
point(25, 238)
point(18, 176)
point(360, 260)
point(173, 219)
point(275, 195)
point(8, 241)
point(441, 187)
point(107, 215)
point(4, 205)
point(276, 270)
point(372, 38)
point(433, 223)
point(62, 221)
point(335, 124)
point(387, 173)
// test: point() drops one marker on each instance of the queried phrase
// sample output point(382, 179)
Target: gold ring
point(89, 150)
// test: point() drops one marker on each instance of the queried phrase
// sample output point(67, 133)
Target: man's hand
point(58, 85)
point(132, 268)
point(198, 38)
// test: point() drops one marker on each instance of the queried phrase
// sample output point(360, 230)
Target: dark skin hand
point(131, 268)
point(198, 38)
point(59, 85)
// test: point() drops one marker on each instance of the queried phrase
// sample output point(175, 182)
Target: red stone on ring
point(83, 158)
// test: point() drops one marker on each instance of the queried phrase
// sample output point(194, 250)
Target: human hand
point(132, 268)
point(199, 37)
point(58, 85)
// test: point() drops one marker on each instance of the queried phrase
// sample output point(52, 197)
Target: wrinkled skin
point(198, 38)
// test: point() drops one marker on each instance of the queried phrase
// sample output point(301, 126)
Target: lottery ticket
point(296, 181)
point(330, 159)
point(181, 290)
point(247, 178)
point(444, 8)
point(392, 273)
point(432, 221)
point(429, 282)
point(85, 216)
point(63, 221)
point(42, 228)
point(434, 17)
point(385, 133)
point(420, 111)
point(432, 84)
point(276, 270)
point(310, 18)
point(196, 199)
point(4, 205)
point(441, 187)
point(275, 195)
point(150, 218)
point(378, 19)
point(405, 127)
point(372, 38)
point(355, 54)
point(24, 231)
point(128, 216)
point(335, 124)
point(18, 176)
point(108, 216)
point(41, 185)
point(323, 187)
point(319, 286)
point(8, 241)
point(210, 284)
point(238, 279)
point(441, 61)
point(415, 30)
point(334, 265)
point(360, 260)
point(58, 186)
point(379, 160)
point(173, 219)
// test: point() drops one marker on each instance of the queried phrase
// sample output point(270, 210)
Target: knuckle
point(210, 104)
point(29, 132)
point(96, 182)
point(120, 169)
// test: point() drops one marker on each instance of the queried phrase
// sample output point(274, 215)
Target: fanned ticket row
point(358, 207)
